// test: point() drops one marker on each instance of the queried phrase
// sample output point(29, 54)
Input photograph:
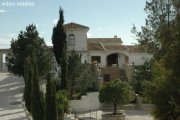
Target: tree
point(51, 107)
point(115, 92)
point(37, 107)
point(28, 72)
point(142, 73)
point(60, 48)
point(87, 79)
point(160, 13)
point(81, 76)
point(164, 23)
point(64, 70)
point(22, 47)
point(74, 71)
point(19, 61)
point(59, 37)
point(62, 103)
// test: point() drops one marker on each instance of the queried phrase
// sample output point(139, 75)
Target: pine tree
point(22, 47)
point(37, 107)
point(51, 108)
point(163, 23)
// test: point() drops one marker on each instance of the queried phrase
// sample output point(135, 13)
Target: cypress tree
point(59, 38)
point(51, 108)
point(60, 48)
point(37, 109)
point(27, 78)
point(64, 70)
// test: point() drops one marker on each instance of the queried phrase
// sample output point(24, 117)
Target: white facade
point(80, 45)
point(80, 40)
point(139, 58)
point(107, 52)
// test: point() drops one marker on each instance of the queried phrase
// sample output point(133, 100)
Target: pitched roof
point(101, 44)
point(134, 49)
point(104, 40)
point(75, 26)
point(95, 47)
point(115, 47)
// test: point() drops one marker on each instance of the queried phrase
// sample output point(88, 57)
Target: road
point(11, 92)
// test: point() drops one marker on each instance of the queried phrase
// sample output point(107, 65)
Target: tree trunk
point(61, 116)
point(115, 108)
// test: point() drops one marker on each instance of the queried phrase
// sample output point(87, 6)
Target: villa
point(114, 60)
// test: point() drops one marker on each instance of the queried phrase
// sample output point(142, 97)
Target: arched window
point(71, 39)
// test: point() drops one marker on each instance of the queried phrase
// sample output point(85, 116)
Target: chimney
point(115, 36)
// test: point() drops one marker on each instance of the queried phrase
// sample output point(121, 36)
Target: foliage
point(37, 107)
point(22, 47)
point(28, 72)
point(115, 92)
point(60, 48)
point(51, 107)
point(64, 70)
point(142, 73)
point(81, 77)
point(62, 103)
point(74, 71)
point(87, 80)
point(163, 22)
point(59, 37)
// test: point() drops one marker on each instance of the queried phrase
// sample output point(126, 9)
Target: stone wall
point(113, 71)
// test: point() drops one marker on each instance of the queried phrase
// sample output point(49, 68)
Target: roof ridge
point(75, 25)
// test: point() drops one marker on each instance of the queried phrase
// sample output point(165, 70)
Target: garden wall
point(86, 103)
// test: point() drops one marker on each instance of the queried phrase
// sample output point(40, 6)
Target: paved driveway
point(11, 92)
point(130, 115)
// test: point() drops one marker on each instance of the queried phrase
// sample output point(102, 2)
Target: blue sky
point(105, 18)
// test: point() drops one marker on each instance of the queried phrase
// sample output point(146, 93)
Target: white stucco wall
point(138, 58)
point(121, 60)
point(3, 66)
point(80, 40)
point(102, 54)
point(86, 103)
point(84, 56)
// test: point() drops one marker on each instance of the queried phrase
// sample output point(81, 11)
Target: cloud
point(12, 35)
point(37, 25)
point(42, 34)
point(5, 40)
point(2, 11)
point(55, 21)
point(49, 43)
point(4, 45)
point(89, 35)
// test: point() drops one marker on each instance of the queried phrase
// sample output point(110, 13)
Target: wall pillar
point(1, 61)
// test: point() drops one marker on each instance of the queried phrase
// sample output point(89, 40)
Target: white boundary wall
point(86, 103)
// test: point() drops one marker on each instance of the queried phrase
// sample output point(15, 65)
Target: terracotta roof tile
point(134, 49)
point(75, 26)
point(104, 40)
point(94, 47)
point(115, 47)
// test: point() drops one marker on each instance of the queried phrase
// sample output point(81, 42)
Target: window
point(106, 77)
point(96, 58)
point(71, 39)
